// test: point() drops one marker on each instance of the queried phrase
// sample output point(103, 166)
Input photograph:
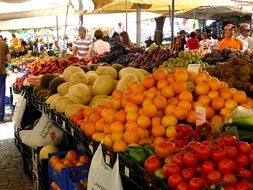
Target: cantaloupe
point(46, 150)
point(94, 98)
point(132, 70)
point(91, 76)
point(56, 100)
point(144, 72)
point(71, 109)
point(69, 71)
point(123, 82)
point(103, 85)
point(97, 102)
point(51, 98)
point(78, 77)
point(79, 93)
point(63, 88)
point(63, 105)
point(107, 70)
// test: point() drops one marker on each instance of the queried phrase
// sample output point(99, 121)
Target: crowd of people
point(232, 37)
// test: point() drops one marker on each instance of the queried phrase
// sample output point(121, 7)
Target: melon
point(47, 150)
point(107, 70)
point(56, 100)
point(69, 71)
point(94, 98)
point(91, 76)
point(132, 70)
point(74, 108)
point(62, 105)
point(51, 98)
point(63, 88)
point(79, 93)
point(78, 77)
point(123, 82)
point(103, 85)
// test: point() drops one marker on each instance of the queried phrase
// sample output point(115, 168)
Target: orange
point(137, 97)
point(225, 112)
point(216, 123)
point(198, 78)
point(181, 75)
point(99, 125)
point(116, 102)
point(143, 121)
point(120, 116)
point(160, 113)
point(149, 94)
point(226, 94)
point(201, 88)
point(210, 112)
point(223, 85)
point(185, 95)
point(130, 136)
point(160, 74)
point(158, 131)
point(180, 112)
point(155, 121)
point(168, 92)
point(213, 83)
point(191, 117)
point(169, 109)
point(217, 103)
point(149, 110)
point(145, 141)
point(213, 94)
point(71, 155)
point(148, 82)
point(94, 117)
point(139, 88)
point(119, 146)
point(240, 97)
point(88, 128)
point(132, 116)
point(125, 101)
point(169, 120)
point(147, 101)
point(185, 104)
point(231, 104)
point(179, 86)
point(197, 104)
point(205, 100)
point(107, 129)
point(98, 137)
point(54, 159)
point(108, 141)
point(88, 112)
point(117, 93)
point(162, 84)
point(115, 136)
point(131, 107)
point(158, 140)
point(142, 133)
point(160, 101)
point(59, 166)
point(173, 101)
point(131, 85)
point(117, 126)
point(170, 78)
point(130, 125)
point(99, 108)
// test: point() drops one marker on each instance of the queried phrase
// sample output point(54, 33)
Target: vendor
point(23, 50)
point(229, 40)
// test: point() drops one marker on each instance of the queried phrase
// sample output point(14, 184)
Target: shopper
point(81, 44)
point(56, 48)
point(193, 42)
point(205, 43)
point(148, 42)
point(114, 39)
point(5, 57)
point(98, 47)
point(23, 50)
point(125, 40)
point(180, 41)
point(14, 40)
point(214, 41)
point(244, 35)
point(229, 40)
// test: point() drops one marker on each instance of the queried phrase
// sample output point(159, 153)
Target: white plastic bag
point(44, 133)
point(101, 176)
point(19, 110)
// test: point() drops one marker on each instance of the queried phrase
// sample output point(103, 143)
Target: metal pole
point(66, 19)
point(172, 22)
point(138, 24)
point(57, 28)
point(126, 13)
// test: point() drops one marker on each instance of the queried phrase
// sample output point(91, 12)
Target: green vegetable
point(138, 156)
point(129, 149)
point(148, 149)
point(242, 122)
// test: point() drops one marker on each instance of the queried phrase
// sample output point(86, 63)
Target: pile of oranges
point(149, 111)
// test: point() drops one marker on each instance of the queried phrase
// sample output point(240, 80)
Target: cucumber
point(242, 122)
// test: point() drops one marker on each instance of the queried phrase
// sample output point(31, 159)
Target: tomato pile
point(226, 162)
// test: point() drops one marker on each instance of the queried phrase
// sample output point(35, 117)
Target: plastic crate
point(62, 177)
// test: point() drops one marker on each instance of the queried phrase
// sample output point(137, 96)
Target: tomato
point(242, 186)
point(190, 159)
point(230, 140)
point(206, 167)
point(182, 186)
point(172, 168)
point(178, 159)
point(203, 152)
point(152, 163)
point(231, 152)
point(244, 172)
point(229, 187)
point(168, 159)
point(251, 167)
point(164, 149)
point(188, 173)
point(193, 145)
point(251, 156)
point(226, 166)
point(214, 177)
point(207, 143)
point(174, 180)
point(243, 147)
point(218, 155)
point(195, 184)
point(229, 178)
point(242, 160)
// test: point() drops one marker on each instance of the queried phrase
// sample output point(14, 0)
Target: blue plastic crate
point(63, 177)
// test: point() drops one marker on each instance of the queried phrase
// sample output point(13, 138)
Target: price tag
point(91, 148)
point(72, 131)
point(107, 159)
point(126, 170)
point(64, 125)
point(200, 115)
point(194, 68)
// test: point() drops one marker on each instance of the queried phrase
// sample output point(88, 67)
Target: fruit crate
point(89, 144)
point(75, 132)
point(76, 173)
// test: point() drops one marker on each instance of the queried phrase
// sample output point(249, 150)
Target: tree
point(159, 29)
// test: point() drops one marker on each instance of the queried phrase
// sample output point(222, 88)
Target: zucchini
point(242, 122)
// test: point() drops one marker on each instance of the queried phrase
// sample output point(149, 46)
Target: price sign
point(91, 148)
point(107, 159)
point(200, 115)
point(194, 68)
point(64, 125)
point(126, 170)
point(72, 131)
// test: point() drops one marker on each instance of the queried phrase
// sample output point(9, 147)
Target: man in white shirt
point(244, 35)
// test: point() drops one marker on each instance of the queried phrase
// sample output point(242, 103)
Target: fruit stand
point(175, 121)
